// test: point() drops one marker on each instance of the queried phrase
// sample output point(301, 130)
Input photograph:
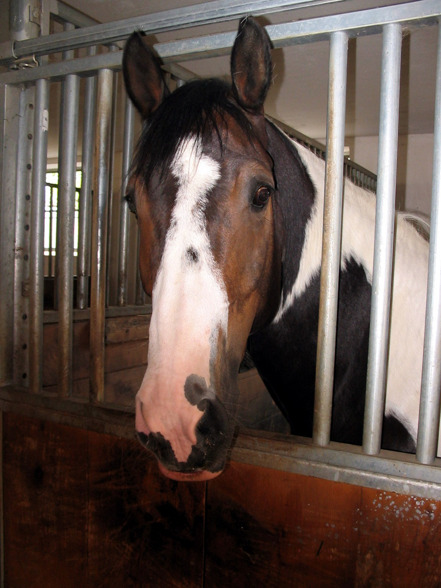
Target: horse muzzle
point(208, 455)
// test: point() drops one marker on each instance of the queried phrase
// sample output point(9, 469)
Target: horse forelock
point(199, 109)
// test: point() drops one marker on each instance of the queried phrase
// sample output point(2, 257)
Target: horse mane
point(196, 108)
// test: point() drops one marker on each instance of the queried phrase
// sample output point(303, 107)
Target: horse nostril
point(143, 439)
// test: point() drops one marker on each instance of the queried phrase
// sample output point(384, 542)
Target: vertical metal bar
point(36, 275)
point(23, 195)
point(99, 234)
point(65, 230)
point(384, 239)
point(10, 120)
point(331, 249)
point(112, 234)
point(431, 380)
point(84, 223)
point(124, 216)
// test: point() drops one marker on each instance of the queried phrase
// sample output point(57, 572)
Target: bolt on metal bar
point(84, 220)
point(124, 215)
point(36, 274)
point(99, 233)
point(331, 248)
point(384, 239)
point(431, 379)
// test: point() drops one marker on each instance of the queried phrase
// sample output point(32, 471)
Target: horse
point(230, 215)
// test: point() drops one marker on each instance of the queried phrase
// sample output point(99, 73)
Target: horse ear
point(251, 65)
point(143, 76)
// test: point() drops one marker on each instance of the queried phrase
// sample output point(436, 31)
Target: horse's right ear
point(143, 76)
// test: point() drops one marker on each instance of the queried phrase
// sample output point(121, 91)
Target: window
point(50, 219)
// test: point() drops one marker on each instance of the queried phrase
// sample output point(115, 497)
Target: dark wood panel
point(89, 509)
point(45, 503)
point(266, 527)
point(86, 509)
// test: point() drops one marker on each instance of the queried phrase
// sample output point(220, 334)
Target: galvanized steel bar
point(124, 215)
point(159, 22)
point(99, 234)
point(85, 213)
point(36, 274)
point(65, 230)
point(111, 263)
point(359, 23)
point(10, 121)
point(384, 239)
point(431, 380)
point(332, 217)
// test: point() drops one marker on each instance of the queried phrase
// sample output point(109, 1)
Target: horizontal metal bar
point(365, 22)
point(341, 463)
point(159, 22)
point(338, 462)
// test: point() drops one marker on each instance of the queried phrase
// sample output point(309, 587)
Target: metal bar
point(384, 239)
point(124, 216)
point(331, 250)
point(424, 12)
point(10, 119)
point(99, 234)
point(84, 221)
point(36, 274)
point(23, 190)
point(65, 230)
point(71, 15)
point(431, 380)
point(110, 214)
point(159, 22)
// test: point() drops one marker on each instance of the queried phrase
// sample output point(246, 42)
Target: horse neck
point(294, 204)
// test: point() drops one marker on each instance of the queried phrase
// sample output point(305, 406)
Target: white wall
point(414, 169)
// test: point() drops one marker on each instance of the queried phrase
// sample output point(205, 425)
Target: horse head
point(202, 186)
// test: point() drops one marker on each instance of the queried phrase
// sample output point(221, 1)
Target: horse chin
point(196, 476)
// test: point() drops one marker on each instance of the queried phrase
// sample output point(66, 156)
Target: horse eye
point(261, 197)
point(130, 199)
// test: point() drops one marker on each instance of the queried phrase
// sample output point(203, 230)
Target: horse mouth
point(195, 476)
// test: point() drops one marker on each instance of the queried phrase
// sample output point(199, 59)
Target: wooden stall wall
point(87, 509)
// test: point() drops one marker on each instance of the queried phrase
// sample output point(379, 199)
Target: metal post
point(431, 381)
point(124, 217)
point(36, 275)
point(99, 234)
point(23, 196)
point(65, 229)
point(11, 118)
point(84, 221)
point(332, 215)
point(384, 239)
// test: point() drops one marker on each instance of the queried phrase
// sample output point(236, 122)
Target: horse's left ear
point(251, 65)
point(143, 76)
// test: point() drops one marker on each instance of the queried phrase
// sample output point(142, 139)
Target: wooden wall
point(83, 509)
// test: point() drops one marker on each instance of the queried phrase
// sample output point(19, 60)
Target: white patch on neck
point(357, 229)
point(190, 305)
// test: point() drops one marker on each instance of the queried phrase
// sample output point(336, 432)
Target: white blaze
point(190, 305)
